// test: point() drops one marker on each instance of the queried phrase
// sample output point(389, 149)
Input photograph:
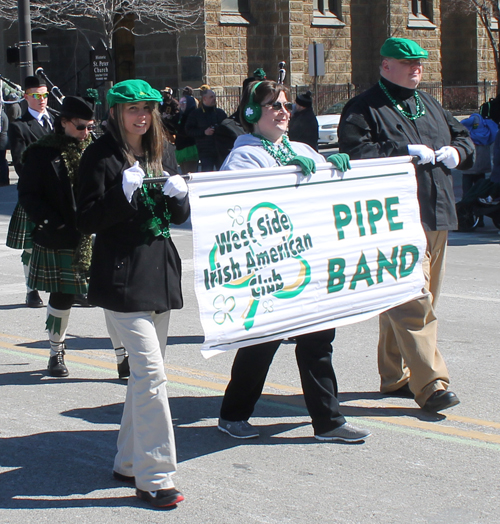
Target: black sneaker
point(163, 498)
point(124, 369)
point(56, 366)
point(33, 299)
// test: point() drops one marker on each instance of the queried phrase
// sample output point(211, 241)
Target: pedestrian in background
point(303, 123)
point(169, 109)
point(136, 275)
point(186, 152)
point(393, 118)
point(483, 133)
point(61, 254)
point(201, 126)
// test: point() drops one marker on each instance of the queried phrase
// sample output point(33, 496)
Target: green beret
point(402, 49)
point(130, 91)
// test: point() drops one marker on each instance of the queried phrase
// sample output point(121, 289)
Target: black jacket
point(371, 127)
point(22, 133)
point(199, 120)
point(303, 127)
point(131, 270)
point(46, 194)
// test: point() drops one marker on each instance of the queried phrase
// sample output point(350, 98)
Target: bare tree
point(150, 16)
point(487, 12)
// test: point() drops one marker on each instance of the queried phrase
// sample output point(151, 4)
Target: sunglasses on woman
point(278, 106)
point(81, 127)
point(39, 96)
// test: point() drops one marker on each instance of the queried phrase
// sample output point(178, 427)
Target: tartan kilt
point(52, 270)
point(20, 228)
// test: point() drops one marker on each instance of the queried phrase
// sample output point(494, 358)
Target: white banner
point(278, 255)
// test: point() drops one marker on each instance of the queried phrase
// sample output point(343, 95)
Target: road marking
point(206, 382)
point(470, 297)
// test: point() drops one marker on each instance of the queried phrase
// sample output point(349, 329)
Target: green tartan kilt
point(52, 270)
point(20, 228)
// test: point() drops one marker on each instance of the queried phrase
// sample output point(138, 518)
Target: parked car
point(328, 123)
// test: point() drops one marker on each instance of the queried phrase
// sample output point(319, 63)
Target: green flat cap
point(130, 91)
point(402, 49)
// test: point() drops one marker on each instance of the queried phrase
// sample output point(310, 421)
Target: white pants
point(146, 443)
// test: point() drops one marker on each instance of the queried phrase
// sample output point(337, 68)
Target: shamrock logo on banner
point(263, 256)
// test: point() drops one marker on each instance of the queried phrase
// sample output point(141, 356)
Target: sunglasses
point(39, 96)
point(81, 127)
point(278, 106)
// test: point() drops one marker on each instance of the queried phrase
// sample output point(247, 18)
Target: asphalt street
point(58, 436)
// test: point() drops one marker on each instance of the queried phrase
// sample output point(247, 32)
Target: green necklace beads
point(282, 153)
point(153, 198)
point(418, 103)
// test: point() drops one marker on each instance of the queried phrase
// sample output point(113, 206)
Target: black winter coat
point(303, 127)
point(371, 127)
point(23, 132)
point(131, 269)
point(199, 120)
point(46, 194)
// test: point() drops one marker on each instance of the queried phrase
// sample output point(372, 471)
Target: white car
point(328, 124)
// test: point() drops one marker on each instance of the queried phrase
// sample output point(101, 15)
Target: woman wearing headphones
point(265, 114)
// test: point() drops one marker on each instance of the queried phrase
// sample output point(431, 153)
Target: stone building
point(238, 36)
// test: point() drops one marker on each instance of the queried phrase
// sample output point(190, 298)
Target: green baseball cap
point(402, 49)
point(130, 91)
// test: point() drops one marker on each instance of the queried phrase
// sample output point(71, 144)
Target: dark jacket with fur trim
point(46, 194)
point(131, 269)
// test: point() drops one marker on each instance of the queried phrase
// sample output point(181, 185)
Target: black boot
point(56, 366)
point(33, 299)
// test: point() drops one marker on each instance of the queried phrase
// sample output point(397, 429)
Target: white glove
point(132, 179)
point(426, 154)
point(175, 186)
point(449, 156)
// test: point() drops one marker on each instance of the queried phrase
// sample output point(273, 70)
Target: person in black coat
point(46, 193)
point(35, 122)
point(201, 125)
point(186, 151)
point(136, 275)
point(303, 125)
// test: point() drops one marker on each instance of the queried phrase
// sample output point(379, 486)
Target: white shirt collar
point(37, 115)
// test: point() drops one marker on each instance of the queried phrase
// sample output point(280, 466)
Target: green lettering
point(336, 277)
point(362, 273)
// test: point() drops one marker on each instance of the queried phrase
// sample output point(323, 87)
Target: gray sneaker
point(345, 433)
point(238, 429)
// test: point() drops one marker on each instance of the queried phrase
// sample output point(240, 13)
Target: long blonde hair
point(152, 141)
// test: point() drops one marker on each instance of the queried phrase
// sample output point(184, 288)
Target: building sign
point(100, 65)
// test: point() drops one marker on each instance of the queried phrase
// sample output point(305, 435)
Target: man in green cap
point(393, 118)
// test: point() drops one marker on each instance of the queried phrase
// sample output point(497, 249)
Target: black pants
point(470, 180)
point(319, 384)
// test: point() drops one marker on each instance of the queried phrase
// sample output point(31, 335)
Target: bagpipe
point(56, 92)
point(11, 96)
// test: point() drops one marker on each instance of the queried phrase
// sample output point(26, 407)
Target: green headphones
point(253, 111)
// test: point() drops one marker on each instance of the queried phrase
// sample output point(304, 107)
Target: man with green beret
point(393, 118)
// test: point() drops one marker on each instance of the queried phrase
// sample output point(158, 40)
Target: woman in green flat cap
point(136, 275)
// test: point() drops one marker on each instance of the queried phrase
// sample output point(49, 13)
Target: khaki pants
point(407, 349)
point(146, 443)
